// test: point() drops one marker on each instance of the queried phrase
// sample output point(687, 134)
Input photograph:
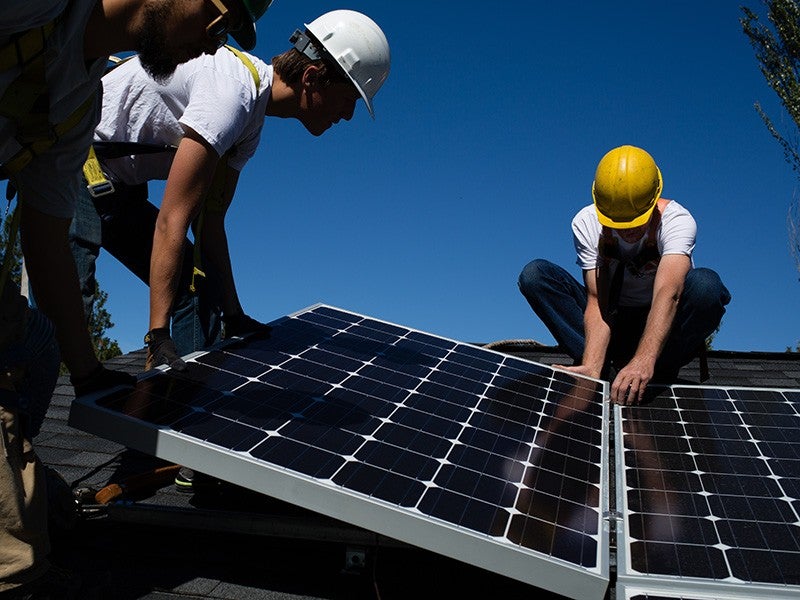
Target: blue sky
point(486, 138)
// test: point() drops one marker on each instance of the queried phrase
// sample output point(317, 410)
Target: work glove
point(161, 350)
point(101, 379)
point(241, 325)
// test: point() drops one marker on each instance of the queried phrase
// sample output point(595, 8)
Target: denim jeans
point(560, 301)
point(123, 223)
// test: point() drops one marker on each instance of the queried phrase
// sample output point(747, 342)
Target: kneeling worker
point(643, 309)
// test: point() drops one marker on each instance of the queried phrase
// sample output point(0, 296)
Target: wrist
point(156, 335)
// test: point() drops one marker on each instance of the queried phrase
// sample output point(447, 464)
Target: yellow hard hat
point(627, 185)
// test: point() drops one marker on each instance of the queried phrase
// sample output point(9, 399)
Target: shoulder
point(674, 209)
point(586, 218)
point(678, 230)
point(675, 214)
point(240, 67)
point(20, 16)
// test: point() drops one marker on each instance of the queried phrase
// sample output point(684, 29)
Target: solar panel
point(480, 456)
point(710, 491)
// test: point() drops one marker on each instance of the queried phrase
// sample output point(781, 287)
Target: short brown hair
point(291, 65)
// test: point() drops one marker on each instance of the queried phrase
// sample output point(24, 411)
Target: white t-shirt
point(676, 234)
point(213, 95)
point(50, 182)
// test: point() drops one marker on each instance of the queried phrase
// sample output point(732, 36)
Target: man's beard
point(153, 52)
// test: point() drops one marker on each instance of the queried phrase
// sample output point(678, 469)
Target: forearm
point(659, 323)
point(54, 280)
point(187, 185)
point(215, 249)
point(165, 265)
point(598, 336)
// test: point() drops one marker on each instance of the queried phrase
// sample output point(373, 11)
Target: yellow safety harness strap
point(25, 50)
point(44, 140)
point(25, 46)
point(96, 181)
point(215, 198)
point(249, 64)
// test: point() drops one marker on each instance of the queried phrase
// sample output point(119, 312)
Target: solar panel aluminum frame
point(412, 527)
point(626, 591)
point(631, 584)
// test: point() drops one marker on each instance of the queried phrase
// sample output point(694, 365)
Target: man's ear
point(310, 77)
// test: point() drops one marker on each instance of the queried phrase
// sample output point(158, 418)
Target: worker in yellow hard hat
point(643, 310)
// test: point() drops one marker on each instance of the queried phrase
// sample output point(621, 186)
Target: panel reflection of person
point(643, 310)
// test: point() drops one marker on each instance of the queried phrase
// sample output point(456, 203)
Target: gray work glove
point(161, 350)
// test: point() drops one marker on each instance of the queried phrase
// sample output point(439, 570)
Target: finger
point(630, 393)
point(619, 389)
point(642, 389)
point(625, 392)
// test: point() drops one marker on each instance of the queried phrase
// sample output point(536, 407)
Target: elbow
point(169, 225)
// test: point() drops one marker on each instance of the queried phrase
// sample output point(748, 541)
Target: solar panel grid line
point(389, 418)
point(694, 458)
point(360, 419)
point(493, 376)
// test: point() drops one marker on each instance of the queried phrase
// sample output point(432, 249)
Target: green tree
point(99, 323)
point(15, 260)
point(777, 48)
point(99, 320)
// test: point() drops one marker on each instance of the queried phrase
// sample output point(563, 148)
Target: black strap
point(110, 150)
point(608, 249)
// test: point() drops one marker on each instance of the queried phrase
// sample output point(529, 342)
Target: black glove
point(161, 350)
point(101, 379)
point(241, 325)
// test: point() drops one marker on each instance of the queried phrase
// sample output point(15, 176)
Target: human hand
point(161, 350)
point(241, 325)
point(101, 379)
point(631, 382)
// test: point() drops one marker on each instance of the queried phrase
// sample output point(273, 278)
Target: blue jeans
point(123, 223)
point(560, 301)
point(33, 351)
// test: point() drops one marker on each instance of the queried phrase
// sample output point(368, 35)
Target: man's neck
point(283, 100)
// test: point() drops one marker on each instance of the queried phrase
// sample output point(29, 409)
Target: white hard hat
point(355, 43)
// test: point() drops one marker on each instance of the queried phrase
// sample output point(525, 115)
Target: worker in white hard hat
point(197, 131)
point(643, 310)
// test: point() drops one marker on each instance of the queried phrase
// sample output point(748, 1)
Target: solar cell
point(709, 489)
point(480, 456)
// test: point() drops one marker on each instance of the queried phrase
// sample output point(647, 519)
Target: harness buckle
point(102, 188)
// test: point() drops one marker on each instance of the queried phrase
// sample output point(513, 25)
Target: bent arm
point(214, 243)
point(596, 330)
point(667, 289)
point(187, 185)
